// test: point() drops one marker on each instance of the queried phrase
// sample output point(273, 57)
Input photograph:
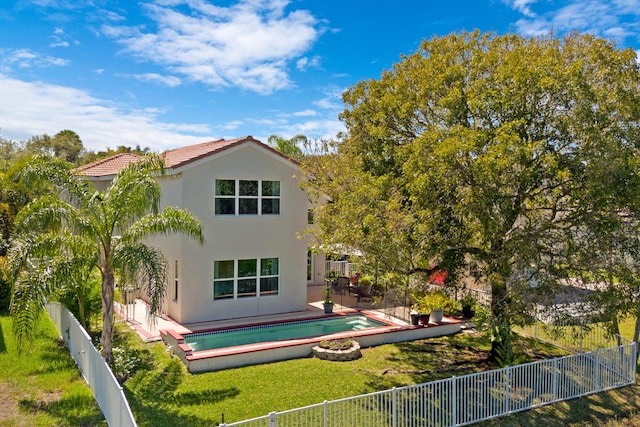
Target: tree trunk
point(107, 315)
point(501, 350)
point(636, 335)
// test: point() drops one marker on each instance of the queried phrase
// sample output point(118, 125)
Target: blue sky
point(168, 73)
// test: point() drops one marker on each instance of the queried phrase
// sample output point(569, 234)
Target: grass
point(45, 388)
point(40, 384)
point(201, 399)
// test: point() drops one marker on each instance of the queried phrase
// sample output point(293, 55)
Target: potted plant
point(420, 312)
point(415, 317)
point(435, 303)
point(327, 301)
point(468, 303)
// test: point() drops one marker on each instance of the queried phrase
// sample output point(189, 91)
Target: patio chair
point(365, 293)
point(342, 284)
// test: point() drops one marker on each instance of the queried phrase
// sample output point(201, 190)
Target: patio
point(136, 315)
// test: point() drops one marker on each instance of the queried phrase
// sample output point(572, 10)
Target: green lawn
point(44, 387)
point(185, 399)
point(40, 384)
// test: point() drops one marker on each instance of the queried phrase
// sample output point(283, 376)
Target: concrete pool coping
point(148, 328)
point(253, 354)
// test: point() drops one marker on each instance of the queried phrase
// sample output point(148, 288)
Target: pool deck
point(135, 315)
point(165, 328)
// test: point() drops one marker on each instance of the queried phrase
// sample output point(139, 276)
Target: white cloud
point(306, 113)
point(47, 108)
point(170, 81)
point(58, 37)
point(314, 129)
point(305, 63)
point(232, 125)
point(331, 101)
point(614, 19)
point(25, 58)
point(247, 45)
point(522, 6)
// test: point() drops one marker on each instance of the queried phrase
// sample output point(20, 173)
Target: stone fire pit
point(351, 353)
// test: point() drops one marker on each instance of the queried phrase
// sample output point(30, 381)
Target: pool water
point(279, 331)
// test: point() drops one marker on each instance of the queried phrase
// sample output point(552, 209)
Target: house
point(246, 194)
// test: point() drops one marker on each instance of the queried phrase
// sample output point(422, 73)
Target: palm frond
point(146, 266)
point(134, 192)
point(45, 213)
point(172, 220)
point(56, 172)
point(31, 289)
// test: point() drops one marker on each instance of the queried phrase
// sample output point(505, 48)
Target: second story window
point(247, 197)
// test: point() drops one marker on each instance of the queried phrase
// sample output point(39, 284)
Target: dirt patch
point(8, 403)
point(13, 400)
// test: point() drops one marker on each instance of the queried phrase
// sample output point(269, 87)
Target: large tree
point(82, 227)
point(65, 144)
point(479, 147)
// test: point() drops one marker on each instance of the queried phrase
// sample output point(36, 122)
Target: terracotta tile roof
point(172, 158)
point(109, 166)
point(183, 155)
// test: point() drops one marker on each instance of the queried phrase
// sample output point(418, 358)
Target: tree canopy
point(484, 148)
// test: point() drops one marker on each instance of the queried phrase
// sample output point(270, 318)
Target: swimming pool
point(279, 332)
point(368, 328)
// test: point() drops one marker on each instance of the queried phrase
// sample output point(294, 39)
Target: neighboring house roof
point(172, 158)
point(109, 166)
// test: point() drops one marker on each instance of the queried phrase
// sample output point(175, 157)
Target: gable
point(182, 157)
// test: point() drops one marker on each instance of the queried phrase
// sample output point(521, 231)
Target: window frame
point(264, 200)
point(176, 279)
point(258, 276)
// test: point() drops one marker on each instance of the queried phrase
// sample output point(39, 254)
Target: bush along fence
point(106, 389)
point(471, 398)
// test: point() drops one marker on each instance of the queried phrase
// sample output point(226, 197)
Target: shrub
point(435, 300)
point(5, 289)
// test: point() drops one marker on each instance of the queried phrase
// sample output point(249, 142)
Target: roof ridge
point(105, 160)
point(177, 157)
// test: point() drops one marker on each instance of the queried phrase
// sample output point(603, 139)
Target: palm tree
point(103, 229)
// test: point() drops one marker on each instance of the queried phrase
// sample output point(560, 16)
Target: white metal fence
point(471, 398)
point(106, 389)
point(575, 335)
point(340, 268)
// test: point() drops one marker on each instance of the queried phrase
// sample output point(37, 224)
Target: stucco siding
point(236, 237)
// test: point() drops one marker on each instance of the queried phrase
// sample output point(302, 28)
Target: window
point(223, 279)
point(176, 282)
point(240, 278)
point(269, 276)
point(270, 197)
point(247, 197)
point(247, 278)
point(225, 197)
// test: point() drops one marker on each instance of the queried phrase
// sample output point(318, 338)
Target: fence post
point(634, 362)
point(454, 401)
point(507, 373)
point(273, 419)
point(596, 355)
point(555, 379)
point(326, 413)
point(394, 407)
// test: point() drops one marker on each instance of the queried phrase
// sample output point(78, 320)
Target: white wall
point(236, 237)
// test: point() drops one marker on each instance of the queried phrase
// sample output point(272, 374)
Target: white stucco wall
point(235, 237)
